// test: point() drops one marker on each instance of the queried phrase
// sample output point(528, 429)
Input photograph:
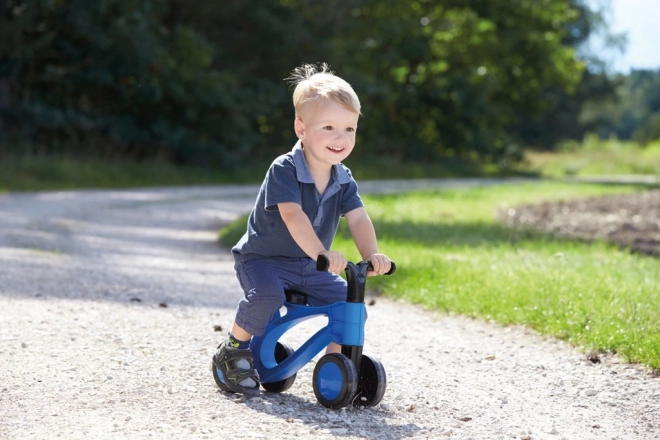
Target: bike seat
point(295, 297)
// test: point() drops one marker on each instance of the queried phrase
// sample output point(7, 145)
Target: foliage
point(201, 82)
point(634, 113)
point(562, 117)
point(453, 75)
point(108, 79)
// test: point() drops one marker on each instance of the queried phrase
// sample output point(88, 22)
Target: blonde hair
point(316, 85)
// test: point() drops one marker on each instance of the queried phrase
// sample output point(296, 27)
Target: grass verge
point(594, 157)
point(454, 257)
point(41, 173)
point(60, 173)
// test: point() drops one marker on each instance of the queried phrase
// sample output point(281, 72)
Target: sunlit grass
point(595, 157)
point(376, 168)
point(454, 257)
point(39, 173)
point(592, 157)
point(60, 173)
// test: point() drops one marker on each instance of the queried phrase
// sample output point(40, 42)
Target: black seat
point(295, 297)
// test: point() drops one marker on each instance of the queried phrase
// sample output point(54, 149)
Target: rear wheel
point(373, 382)
point(282, 351)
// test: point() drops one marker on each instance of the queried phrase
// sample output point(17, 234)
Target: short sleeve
point(350, 197)
point(281, 185)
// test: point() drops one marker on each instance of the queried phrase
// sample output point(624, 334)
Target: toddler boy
point(295, 219)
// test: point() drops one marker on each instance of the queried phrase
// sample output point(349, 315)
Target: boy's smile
point(327, 133)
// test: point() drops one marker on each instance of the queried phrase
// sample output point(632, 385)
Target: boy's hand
point(381, 264)
point(337, 261)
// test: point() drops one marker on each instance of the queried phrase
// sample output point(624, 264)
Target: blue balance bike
point(340, 379)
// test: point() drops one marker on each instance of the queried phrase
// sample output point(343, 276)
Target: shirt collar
point(303, 174)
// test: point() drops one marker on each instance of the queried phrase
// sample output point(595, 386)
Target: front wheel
point(335, 380)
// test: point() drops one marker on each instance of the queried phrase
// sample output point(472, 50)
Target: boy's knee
point(260, 308)
point(268, 304)
point(253, 316)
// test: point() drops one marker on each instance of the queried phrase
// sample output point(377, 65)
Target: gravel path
point(111, 304)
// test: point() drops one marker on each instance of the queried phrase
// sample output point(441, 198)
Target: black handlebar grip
point(322, 264)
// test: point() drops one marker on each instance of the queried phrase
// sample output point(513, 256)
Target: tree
point(201, 81)
point(106, 78)
point(566, 113)
point(635, 111)
point(450, 78)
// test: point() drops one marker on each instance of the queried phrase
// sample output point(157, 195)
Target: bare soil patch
point(628, 220)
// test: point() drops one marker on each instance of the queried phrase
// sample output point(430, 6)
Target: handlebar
point(322, 264)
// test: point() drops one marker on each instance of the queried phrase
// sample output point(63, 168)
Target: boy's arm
point(364, 235)
point(302, 231)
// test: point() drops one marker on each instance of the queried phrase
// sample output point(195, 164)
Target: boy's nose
point(341, 137)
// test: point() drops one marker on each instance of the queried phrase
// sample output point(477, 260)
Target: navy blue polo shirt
point(288, 180)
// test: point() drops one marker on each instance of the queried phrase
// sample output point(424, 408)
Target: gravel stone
point(80, 358)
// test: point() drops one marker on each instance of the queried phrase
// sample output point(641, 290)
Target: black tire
point(373, 382)
point(335, 381)
point(282, 351)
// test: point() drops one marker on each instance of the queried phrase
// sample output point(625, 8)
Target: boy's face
point(327, 133)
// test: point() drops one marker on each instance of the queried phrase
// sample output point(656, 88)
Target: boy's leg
point(263, 283)
point(240, 334)
point(324, 288)
point(333, 347)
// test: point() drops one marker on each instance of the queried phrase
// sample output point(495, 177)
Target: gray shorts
point(264, 282)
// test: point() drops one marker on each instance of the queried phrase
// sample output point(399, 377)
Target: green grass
point(39, 173)
point(454, 257)
point(375, 168)
point(590, 157)
point(60, 173)
point(594, 157)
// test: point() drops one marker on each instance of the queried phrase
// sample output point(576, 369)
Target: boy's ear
point(299, 128)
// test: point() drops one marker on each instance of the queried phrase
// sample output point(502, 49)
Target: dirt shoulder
point(629, 220)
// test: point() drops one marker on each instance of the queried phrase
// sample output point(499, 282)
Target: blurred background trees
point(200, 82)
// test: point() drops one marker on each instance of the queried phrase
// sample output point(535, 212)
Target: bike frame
point(345, 327)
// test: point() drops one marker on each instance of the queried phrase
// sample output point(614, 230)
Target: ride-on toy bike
point(339, 378)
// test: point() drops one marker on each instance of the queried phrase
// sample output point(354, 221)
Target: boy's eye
point(328, 127)
point(350, 129)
